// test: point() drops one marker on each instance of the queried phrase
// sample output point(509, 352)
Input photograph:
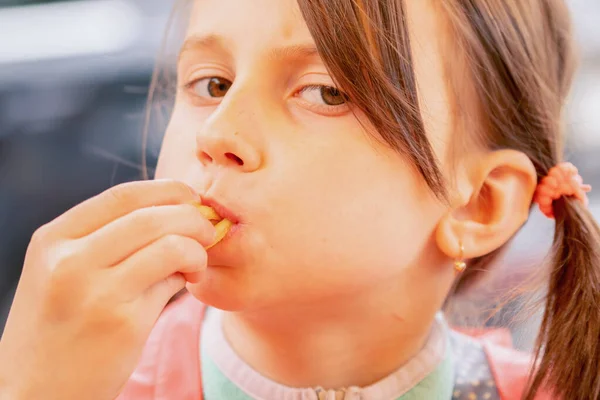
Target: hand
point(94, 282)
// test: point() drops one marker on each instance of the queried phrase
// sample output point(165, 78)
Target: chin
point(217, 289)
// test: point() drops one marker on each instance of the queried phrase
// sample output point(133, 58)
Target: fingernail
point(193, 192)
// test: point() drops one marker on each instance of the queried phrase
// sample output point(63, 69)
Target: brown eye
point(332, 96)
point(211, 87)
point(323, 95)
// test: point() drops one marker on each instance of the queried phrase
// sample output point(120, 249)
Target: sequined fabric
point(473, 380)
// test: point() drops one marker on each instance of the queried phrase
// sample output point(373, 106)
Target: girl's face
point(324, 210)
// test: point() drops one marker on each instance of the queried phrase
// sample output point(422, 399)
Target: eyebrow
point(195, 43)
point(295, 52)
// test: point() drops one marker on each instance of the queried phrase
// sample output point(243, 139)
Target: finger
point(208, 212)
point(118, 201)
point(159, 294)
point(154, 263)
point(123, 237)
point(221, 229)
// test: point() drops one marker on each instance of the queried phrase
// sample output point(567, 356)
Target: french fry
point(222, 225)
point(222, 228)
point(208, 212)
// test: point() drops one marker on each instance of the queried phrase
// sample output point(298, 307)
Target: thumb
point(159, 294)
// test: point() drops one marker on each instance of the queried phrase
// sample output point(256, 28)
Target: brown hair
point(519, 59)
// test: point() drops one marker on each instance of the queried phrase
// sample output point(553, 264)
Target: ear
point(494, 199)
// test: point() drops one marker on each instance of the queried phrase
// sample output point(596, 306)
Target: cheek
point(168, 163)
point(177, 156)
point(358, 213)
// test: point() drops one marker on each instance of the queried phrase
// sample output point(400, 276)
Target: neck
point(337, 343)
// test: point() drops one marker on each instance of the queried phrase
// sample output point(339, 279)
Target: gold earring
point(460, 264)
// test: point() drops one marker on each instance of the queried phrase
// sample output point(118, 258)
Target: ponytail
point(567, 351)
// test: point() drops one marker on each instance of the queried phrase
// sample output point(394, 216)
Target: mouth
point(222, 219)
point(220, 212)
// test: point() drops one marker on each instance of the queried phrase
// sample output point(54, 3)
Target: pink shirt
point(169, 368)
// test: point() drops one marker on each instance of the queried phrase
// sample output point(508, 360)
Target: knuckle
point(123, 194)
point(42, 235)
point(40, 249)
point(178, 187)
point(146, 221)
point(65, 259)
point(65, 272)
point(174, 247)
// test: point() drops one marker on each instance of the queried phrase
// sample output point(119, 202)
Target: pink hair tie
point(562, 180)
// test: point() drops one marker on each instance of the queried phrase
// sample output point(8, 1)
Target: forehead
point(243, 22)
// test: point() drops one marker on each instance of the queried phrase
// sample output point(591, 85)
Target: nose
point(221, 143)
point(216, 149)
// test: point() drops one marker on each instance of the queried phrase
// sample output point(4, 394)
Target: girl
point(370, 155)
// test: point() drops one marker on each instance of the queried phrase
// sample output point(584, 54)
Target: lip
point(220, 209)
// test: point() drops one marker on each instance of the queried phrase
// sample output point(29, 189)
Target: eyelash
point(319, 108)
point(325, 108)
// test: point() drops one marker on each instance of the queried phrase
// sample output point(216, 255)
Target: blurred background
point(74, 77)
